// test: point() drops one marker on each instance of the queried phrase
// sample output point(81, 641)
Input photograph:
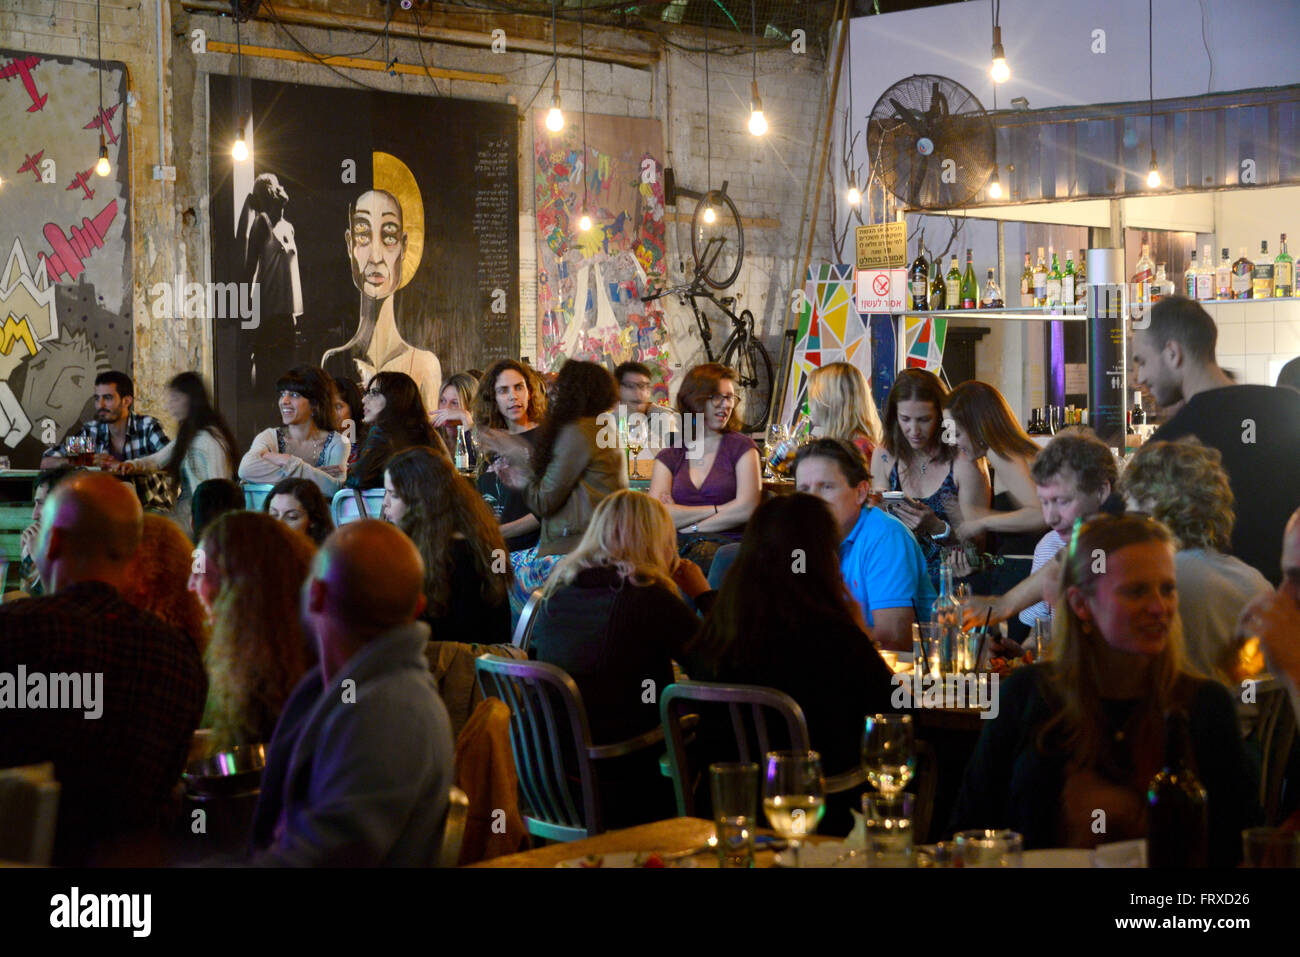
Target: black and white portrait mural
point(365, 232)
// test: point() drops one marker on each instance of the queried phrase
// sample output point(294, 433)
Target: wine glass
point(637, 439)
point(888, 752)
point(794, 795)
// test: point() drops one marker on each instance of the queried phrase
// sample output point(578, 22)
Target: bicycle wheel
point(718, 246)
point(747, 356)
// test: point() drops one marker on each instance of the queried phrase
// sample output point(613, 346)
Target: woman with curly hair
point(512, 398)
point(247, 573)
point(396, 419)
point(300, 505)
point(1183, 485)
point(576, 464)
point(160, 576)
point(307, 444)
point(466, 575)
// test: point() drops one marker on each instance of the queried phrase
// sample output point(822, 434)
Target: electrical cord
point(1205, 16)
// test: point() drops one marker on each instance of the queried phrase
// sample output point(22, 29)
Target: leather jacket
point(579, 475)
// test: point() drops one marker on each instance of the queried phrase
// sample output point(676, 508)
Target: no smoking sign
point(881, 290)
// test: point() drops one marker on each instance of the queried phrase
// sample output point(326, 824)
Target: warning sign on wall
point(881, 290)
point(882, 247)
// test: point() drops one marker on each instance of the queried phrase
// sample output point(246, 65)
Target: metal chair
point(351, 504)
point(674, 700)
point(453, 831)
point(524, 629)
point(548, 722)
point(1276, 736)
point(255, 494)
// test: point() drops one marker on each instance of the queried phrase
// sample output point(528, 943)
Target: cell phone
point(893, 496)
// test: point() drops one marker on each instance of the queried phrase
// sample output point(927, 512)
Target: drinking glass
point(734, 786)
point(987, 848)
point(1270, 847)
point(942, 854)
point(637, 439)
point(888, 819)
point(794, 795)
point(889, 751)
point(1041, 637)
point(936, 654)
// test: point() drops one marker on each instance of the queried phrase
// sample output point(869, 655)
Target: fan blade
point(910, 117)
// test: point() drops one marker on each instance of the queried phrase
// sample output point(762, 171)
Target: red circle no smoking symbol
point(880, 285)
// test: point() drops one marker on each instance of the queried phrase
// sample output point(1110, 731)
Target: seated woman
point(300, 505)
point(466, 577)
point(160, 575)
point(570, 471)
point(306, 445)
point(792, 626)
point(248, 573)
point(453, 412)
point(912, 458)
point(985, 429)
point(204, 447)
point(712, 489)
point(1183, 485)
point(841, 407)
point(1084, 731)
point(395, 419)
point(613, 619)
point(347, 413)
point(29, 576)
point(511, 398)
point(212, 499)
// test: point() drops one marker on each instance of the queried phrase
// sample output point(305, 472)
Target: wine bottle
point(938, 289)
point(1223, 276)
point(1205, 276)
point(1139, 413)
point(1261, 285)
point(1243, 276)
point(1178, 822)
point(1081, 279)
point(992, 297)
point(948, 616)
point(970, 290)
point(462, 450)
point(1027, 283)
point(1040, 280)
point(1068, 280)
point(1160, 286)
point(1054, 280)
point(918, 281)
point(952, 286)
point(1283, 272)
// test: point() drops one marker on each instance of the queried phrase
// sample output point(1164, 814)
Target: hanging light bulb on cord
point(1153, 175)
point(710, 216)
point(240, 149)
point(102, 167)
point(585, 223)
point(757, 121)
point(1000, 71)
point(853, 194)
point(995, 187)
point(555, 116)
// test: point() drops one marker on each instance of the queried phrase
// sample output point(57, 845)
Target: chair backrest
point(1276, 733)
point(738, 698)
point(453, 831)
point(550, 738)
point(350, 504)
point(255, 494)
point(524, 628)
point(29, 805)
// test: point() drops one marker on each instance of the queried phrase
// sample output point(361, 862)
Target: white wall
point(1243, 217)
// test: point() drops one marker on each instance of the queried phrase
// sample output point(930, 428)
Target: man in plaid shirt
point(119, 434)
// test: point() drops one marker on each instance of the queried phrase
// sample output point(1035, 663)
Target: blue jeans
point(722, 560)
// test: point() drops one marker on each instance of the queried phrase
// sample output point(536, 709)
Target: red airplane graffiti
point(104, 120)
point(31, 165)
point(23, 68)
point(69, 250)
point(81, 180)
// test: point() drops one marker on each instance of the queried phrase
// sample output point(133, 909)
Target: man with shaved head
point(1274, 617)
point(119, 750)
point(361, 763)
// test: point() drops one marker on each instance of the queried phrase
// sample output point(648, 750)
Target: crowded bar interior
point(673, 433)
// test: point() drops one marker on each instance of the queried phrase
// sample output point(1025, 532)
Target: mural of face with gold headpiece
point(385, 234)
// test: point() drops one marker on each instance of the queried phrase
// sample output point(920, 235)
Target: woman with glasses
point(308, 444)
point(712, 482)
point(1078, 738)
point(395, 419)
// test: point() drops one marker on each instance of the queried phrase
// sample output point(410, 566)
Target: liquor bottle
point(918, 281)
point(970, 290)
point(1178, 821)
point(1081, 280)
point(947, 616)
point(462, 450)
point(1139, 413)
point(1040, 280)
point(992, 297)
point(1143, 276)
point(1205, 275)
point(1261, 284)
point(938, 291)
point(1068, 280)
point(952, 286)
point(1054, 279)
point(1243, 276)
point(1189, 277)
point(1223, 276)
point(1283, 273)
point(1036, 426)
point(1160, 286)
point(1027, 284)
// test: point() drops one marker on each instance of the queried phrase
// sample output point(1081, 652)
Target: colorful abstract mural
point(923, 339)
point(589, 284)
point(830, 329)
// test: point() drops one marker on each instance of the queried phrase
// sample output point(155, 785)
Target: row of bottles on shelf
point(1265, 278)
point(1046, 284)
point(1050, 419)
point(930, 289)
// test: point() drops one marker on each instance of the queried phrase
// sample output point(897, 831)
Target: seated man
point(882, 564)
point(1275, 616)
point(360, 768)
point(636, 395)
point(29, 576)
point(119, 434)
point(111, 694)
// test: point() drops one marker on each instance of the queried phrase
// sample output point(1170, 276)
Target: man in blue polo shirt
point(881, 563)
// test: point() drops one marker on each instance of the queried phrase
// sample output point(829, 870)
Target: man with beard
point(119, 433)
point(340, 788)
point(1256, 428)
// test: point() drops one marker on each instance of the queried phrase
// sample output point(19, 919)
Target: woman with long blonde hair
point(248, 572)
point(1085, 731)
point(841, 406)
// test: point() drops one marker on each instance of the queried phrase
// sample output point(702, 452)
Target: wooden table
point(675, 834)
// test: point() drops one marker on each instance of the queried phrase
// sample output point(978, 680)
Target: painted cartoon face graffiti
point(376, 244)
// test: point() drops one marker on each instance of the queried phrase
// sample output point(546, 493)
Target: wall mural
point(830, 329)
point(65, 242)
point(371, 231)
point(589, 284)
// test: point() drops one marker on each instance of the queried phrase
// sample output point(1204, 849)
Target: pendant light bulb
point(995, 187)
point(854, 197)
point(554, 116)
point(102, 168)
point(585, 223)
point(1153, 175)
point(240, 150)
point(757, 121)
point(709, 215)
point(1000, 71)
